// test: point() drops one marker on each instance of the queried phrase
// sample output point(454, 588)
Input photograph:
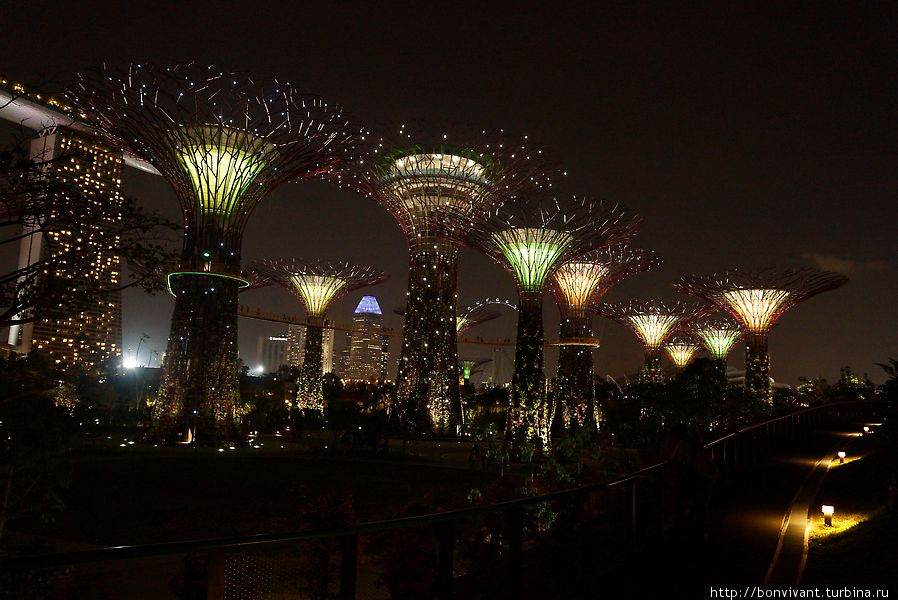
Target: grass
point(860, 550)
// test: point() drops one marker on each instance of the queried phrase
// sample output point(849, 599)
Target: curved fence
point(535, 547)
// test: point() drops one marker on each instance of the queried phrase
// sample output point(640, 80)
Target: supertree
point(718, 334)
point(479, 312)
point(531, 242)
point(578, 285)
point(653, 321)
point(317, 283)
point(468, 368)
point(757, 299)
point(223, 141)
point(436, 192)
point(681, 348)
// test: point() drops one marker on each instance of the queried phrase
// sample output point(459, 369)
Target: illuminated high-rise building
point(296, 339)
point(271, 352)
point(366, 354)
point(93, 334)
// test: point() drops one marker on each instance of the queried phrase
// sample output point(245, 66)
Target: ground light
point(828, 515)
point(866, 429)
point(841, 457)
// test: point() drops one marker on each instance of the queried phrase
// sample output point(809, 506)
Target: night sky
point(746, 136)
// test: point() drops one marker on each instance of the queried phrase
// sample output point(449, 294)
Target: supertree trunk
point(720, 367)
point(310, 394)
point(651, 372)
point(529, 415)
point(757, 365)
point(576, 392)
point(200, 383)
point(427, 381)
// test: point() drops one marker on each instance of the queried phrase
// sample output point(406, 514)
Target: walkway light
point(828, 515)
point(866, 429)
point(841, 457)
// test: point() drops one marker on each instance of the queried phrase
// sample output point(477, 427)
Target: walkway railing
point(481, 551)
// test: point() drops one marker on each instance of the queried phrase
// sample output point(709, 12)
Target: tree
point(35, 207)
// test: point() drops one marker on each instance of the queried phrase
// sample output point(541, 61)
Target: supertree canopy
point(653, 321)
point(718, 334)
point(577, 285)
point(681, 348)
point(317, 283)
point(479, 312)
point(757, 299)
point(223, 141)
point(531, 242)
point(436, 192)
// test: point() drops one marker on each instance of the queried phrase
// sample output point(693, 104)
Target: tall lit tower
point(366, 343)
point(652, 321)
point(681, 348)
point(79, 165)
point(436, 192)
point(578, 285)
point(223, 141)
point(531, 243)
point(317, 283)
point(757, 299)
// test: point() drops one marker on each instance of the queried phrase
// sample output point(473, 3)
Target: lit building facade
point(366, 348)
point(94, 334)
point(295, 353)
point(271, 352)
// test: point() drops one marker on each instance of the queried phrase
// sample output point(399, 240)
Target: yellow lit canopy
point(317, 291)
point(653, 328)
point(578, 281)
point(756, 308)
point(222, 165)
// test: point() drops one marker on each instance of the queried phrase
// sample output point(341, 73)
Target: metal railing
point(480, 551)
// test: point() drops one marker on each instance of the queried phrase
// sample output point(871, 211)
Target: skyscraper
point(94, 334)
point(366, 344)
point(271, 352)
point(296, 337)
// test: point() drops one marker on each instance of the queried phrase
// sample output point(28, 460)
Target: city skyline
point(756, 181)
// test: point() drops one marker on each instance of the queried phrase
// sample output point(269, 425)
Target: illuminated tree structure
point(436, 193)
point(317, 283)
point(479, 312)
point(718, 334)
point(757, 299)
point(223, 141)
point(681, 348)
point(469, 367)
point(578, 285)
point(531, 243)
point(653, 321)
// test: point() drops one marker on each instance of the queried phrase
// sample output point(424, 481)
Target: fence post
point(446, 534)
point(349, 563)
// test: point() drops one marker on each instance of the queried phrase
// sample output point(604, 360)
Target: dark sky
point(746, 135)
